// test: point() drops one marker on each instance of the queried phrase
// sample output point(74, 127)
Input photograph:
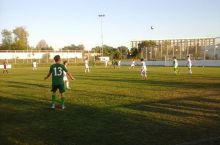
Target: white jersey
point(119, 63)
point(35, 64)
point(189, 63)
point(65, 76)
point(86, 64)
point(133, 63)
point(175, 63)
point(144, 67)
point(106, 63)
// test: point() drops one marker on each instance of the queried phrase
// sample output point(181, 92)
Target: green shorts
point(61, 88)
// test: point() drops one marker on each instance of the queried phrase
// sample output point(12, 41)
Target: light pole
point(101, 16)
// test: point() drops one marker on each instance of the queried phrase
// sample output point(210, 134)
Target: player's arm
point(49, 74)
point(70, 76)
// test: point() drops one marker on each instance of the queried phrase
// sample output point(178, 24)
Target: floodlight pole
point(101, 16)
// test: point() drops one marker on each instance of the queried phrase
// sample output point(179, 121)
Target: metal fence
point(200, 49)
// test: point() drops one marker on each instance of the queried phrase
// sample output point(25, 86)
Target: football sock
point(53, 99)
point(62, 101)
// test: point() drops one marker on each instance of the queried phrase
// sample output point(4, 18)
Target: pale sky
point(65, 22)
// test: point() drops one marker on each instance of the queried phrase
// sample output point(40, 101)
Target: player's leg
point(53, 99)
point(5, 68)
point(67, 84)
point(62, 90)
point(142, 74)
point(190, 70)
point(145, 74)
point(174, 70)
point(53, 96)
point(85, 70)
point(62, 100)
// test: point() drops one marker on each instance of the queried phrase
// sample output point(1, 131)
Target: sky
point(65, 22)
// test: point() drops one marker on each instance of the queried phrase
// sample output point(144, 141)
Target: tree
point(21, 38)
point(97, 49)
point(74, 47)
point(116, 54)
point(134, 52)
point(123, 51)
point(6, 39)
point(42, 45)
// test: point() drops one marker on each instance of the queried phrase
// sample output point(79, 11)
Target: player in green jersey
point(57, 70)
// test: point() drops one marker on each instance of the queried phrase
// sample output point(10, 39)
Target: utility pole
point(101, 16)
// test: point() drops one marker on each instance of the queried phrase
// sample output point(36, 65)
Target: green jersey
point(57, 73)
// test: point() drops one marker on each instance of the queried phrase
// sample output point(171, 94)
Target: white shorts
point(143, 72)
point(65, 78)
point(189, 66)
point(86, 66)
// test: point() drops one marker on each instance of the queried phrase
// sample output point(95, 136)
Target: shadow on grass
point(31, 122)
point(195, 106)
point(151, 82)
point(24, 84)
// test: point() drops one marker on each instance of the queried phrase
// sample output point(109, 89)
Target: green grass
point(111, 107)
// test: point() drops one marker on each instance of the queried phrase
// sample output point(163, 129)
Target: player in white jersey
point(143, 69)
point(86, 65)
point(119, 63)
point(106, 63)
point(175, 65)
point(189, 64)
point(132, 64)
point(34, 65)
point(65, 78)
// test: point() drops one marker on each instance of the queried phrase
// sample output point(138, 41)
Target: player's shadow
point(29, 121)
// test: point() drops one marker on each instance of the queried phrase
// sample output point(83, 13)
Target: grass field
point(112, 107)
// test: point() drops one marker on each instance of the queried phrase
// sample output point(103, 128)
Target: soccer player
point(132, 64)
point(86, 65)
point(143, 69)
point(5, 63)
point(34, 65)
point(114, 63)
point(57, 70)
point(119, 63)
point(175, 65)
point(106, 63)
point(189, 64)
point(65, 78)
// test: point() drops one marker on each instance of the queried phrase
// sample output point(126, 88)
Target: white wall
point(181, 63)
point(38, 55)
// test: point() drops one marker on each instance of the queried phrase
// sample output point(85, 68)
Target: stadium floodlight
point(101, 16)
